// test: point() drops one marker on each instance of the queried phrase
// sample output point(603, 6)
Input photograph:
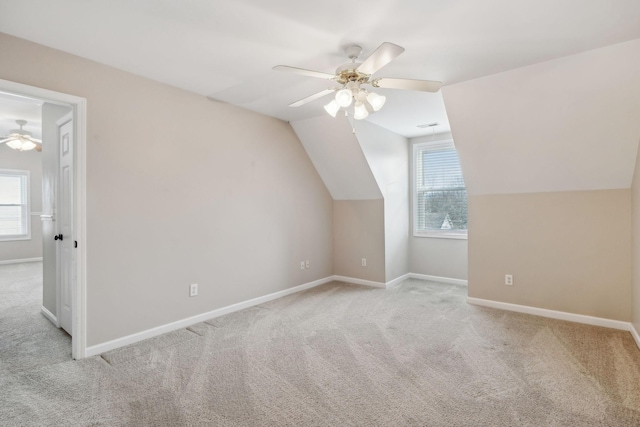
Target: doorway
point(72, 262)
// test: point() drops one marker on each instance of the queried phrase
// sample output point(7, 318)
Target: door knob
point(58, 237)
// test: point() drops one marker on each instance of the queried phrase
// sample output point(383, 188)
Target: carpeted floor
point(27, 339)
point(346, 355)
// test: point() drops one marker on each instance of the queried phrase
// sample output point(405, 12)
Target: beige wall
point(31, 161)
point(544, 198)
point(567, 251)
point(388, 157)
point(367, 175)
point(359, 233)
point(182, 190)
point(635, 252)
point(438, 257)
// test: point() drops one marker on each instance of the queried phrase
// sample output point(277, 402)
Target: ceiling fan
point(20, 139)
point(353, 75)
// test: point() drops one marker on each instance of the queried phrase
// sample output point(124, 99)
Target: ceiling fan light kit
point(21, 144)
point(360, 111)
point(353, 75)
point(344, 97)
point(332, 108)
point(376, 101)
point(20, 139)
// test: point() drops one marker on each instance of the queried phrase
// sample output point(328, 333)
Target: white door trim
point(79, 288)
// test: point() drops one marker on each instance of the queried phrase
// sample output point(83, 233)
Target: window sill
point(441, 235)
point(14, 238)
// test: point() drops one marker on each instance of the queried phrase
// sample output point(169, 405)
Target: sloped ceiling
point(568, 124)
point(226, 49)
point(338, 157)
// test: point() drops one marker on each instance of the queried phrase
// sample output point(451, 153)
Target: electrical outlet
point(193, 289)
point(301, 265)
point(364, 262)
point(307, 264)
point(508, 279)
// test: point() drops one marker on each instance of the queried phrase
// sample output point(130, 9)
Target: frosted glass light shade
point(21, 144)
point(360, 111)
point(376, 101)
point(332, 108)
point(28, 145)
point(15, 144)
point(343, 97)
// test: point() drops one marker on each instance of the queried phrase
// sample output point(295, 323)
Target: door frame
point(79, 286)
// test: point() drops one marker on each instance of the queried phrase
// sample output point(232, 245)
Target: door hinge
point(75, 243)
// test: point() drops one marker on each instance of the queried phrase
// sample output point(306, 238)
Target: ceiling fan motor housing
point(349, 73)
point(353, 52)
point(20, 131)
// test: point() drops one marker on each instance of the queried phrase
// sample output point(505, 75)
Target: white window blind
point(440, 196)
point(14, 205)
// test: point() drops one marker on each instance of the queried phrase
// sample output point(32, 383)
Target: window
point(15, 217)
point(439, 196)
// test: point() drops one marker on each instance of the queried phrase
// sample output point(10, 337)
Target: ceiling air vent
point(428, 125)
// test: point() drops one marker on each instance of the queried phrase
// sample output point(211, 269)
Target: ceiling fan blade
point(303, 72)
point(384, 54)
point(311, 98)
point(5, 140)
point(408, 84)
point(34, 140)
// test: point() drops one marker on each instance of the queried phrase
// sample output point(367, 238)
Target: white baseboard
point(438, 279)
point(169, 327)
point(553, 314)
point(398, 280)
point(634, 334)
point(363, 282)
point(49, 315)
point(387, 285)
point(20, 261)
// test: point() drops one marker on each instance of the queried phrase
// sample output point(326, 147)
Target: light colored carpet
point(345, 355)
point(28, 340)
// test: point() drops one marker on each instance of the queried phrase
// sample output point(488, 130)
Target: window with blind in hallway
point(439, 196)
point(14, 205)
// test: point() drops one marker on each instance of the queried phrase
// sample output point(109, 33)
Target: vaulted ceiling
point(226, 50)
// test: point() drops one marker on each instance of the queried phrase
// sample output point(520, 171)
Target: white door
point(65, 242)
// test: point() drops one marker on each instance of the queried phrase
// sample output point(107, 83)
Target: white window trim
point(436, 234)
point(27, 236)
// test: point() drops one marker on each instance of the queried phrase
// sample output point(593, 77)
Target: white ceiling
point(14, 108)
point(226, 50)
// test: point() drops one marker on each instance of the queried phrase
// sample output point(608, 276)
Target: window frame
point(27, 176)
point(438, 234)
